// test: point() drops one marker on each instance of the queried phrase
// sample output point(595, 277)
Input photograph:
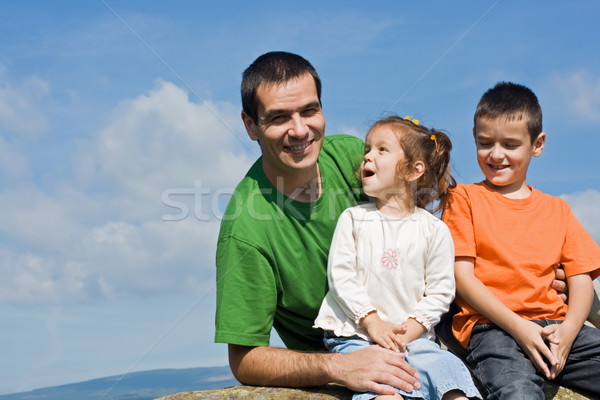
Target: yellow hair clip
point(414, 121)
point(434, 138)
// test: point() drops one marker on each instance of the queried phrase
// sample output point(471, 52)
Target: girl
point(391, 262)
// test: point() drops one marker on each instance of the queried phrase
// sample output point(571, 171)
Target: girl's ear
point(538, 144)
point(418, 169)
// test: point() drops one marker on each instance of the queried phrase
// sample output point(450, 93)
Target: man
point(275, 236)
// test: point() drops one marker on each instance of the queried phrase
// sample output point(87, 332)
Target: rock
point(327, 392)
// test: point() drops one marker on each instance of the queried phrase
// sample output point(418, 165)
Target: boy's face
point(504, 150)
point(291, 127)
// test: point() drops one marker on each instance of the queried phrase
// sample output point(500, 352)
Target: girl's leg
point(455, 395)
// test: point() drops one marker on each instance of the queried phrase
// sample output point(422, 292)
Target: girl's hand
point(385, 334)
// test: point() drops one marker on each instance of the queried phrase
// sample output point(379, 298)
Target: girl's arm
point(581, 292)
point(438, 275)
point(527, 334)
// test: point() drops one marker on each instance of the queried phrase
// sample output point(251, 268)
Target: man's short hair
point(512, 102)
point(275, 67)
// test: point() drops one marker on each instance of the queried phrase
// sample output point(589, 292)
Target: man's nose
point(298, 128)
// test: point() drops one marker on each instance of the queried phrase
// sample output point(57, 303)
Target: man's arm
point(364, 370)
point(528, 335)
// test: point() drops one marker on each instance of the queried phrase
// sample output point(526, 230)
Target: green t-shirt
point(272, 252)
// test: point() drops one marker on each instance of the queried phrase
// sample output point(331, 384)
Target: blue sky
point(120, 139)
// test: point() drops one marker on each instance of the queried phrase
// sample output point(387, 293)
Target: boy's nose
point(496, 153)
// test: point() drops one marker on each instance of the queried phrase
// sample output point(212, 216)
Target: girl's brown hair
point(430, 146)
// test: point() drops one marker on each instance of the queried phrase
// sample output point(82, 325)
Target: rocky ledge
point(328, 392)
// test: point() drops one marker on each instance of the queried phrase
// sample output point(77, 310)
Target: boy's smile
point(504, 150)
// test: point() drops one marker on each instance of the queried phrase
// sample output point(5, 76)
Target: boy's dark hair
point(513, 102)
point(275, 67)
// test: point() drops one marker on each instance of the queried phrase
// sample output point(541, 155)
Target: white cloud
point(585, 208)
point(104, 236)
point(19, 105)
point(580, 94)
point(163, 140)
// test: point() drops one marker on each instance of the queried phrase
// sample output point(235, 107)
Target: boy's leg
point(501, 366)
point(582, 369)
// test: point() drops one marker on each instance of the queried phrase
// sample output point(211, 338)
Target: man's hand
point(368, 369)
point(560, 282)
point(385, 334)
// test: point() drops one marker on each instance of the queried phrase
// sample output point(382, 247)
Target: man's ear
point(250, 126)
point(538, 144)
point(417, 171)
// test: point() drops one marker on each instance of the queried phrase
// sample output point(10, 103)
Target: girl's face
point(378, 169)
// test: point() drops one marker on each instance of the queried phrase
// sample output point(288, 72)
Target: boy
point(507, 236)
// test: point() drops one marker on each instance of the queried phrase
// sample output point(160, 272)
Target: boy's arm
point(581, 293)
point(363, 370)
point(528, 335)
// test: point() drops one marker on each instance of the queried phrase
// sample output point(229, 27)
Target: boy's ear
point(474, 134)
point(250, 126)
point(417, 171)
point(538, 144)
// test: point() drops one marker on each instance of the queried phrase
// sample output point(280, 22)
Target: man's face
point(290, 128)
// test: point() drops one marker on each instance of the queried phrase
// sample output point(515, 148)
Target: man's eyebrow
point(274, 112)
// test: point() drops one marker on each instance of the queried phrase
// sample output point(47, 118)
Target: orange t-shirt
point(515, 243)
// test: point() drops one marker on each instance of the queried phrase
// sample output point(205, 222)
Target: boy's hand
point(530, 337)
point(561, 350)
point(385, 334)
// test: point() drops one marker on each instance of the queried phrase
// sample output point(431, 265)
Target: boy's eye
point(383, 149)
point(484, 144)
point(511, 146)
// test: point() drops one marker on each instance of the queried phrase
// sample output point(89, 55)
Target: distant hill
point(145, 385)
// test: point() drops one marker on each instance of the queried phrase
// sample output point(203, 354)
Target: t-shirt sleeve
point(246, 294)
point(458, 216)
point(580, 253)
